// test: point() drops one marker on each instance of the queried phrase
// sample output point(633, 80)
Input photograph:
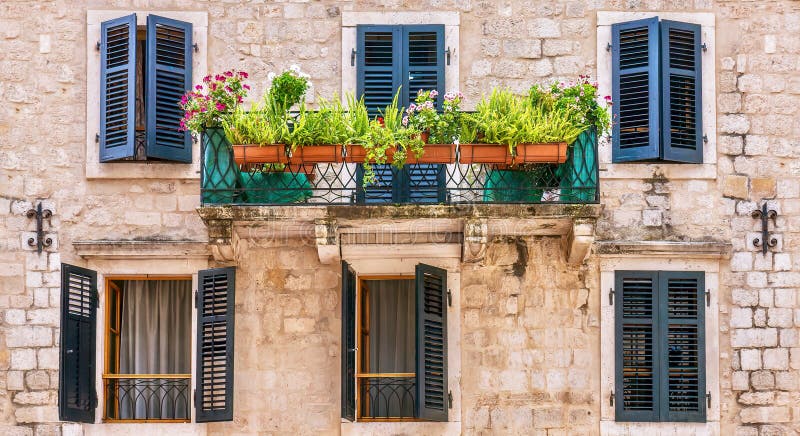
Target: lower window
point(148, 350)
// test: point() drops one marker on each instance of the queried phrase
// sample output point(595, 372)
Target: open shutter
point(348, 343)
point(117, 88)
point(682, 131)
point(683, 339)
point(635, 90)
point(168, 77)
point(637, 358)
point(432, 392)
point(77, 398)
point(215, 315)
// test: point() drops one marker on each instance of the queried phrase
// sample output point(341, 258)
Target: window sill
point(671, 171)
point(402, 427)
point(613, 428)
point(138, 429)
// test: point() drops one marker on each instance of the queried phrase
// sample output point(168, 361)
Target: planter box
point(313, 154)
point(433, 154)
point(555, 152)
point(259, 154)
point(484, 154)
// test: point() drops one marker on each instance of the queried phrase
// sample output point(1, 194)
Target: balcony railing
point(386, 396)
point(146, 397)
point(573, 182)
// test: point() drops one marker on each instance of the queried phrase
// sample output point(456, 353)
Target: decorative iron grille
point(385, 396)
point(573, 182)
point(132, 397)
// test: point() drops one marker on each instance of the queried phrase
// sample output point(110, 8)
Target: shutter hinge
point(708, 297)
point(195, 299)
point(708, 399)
point(611, 399)
point(97, 47)
point(196, 49)
point(447, 55)
point(449, 298)
point(608, 46)
point(705, 139)
point(704, 46)
point(97, 138)
point(610, 296)
point(353, 53)
point(449, 399)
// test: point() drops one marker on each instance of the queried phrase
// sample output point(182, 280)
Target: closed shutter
point(384, 190)
point(379, 61)
point(682, 133)
point(77, 398)
point(348, 343)
point(637, 355)
point(683, 339)
point(215, 328)
point(423, 61)
point(117, 88)
point(431, 379)
point(635, 90)
point(168, 76)
point(423, 183)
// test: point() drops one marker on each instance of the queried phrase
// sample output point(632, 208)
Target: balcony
point(146, 397)
point(298, 183)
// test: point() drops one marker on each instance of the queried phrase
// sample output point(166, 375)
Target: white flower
point(309, 84)
point(271, 76)
point(295, 68)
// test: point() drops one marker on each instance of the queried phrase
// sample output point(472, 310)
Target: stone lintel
point(145, 249)
point(693, 249)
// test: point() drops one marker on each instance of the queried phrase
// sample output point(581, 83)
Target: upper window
point(657, 88)
point(405, 58)
point(144, 71)
point(660, 346)
point(394, 346)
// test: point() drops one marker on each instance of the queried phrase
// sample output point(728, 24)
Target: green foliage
point(579, 97)
point(253, 127)
point(289, 87)
point(326, 125)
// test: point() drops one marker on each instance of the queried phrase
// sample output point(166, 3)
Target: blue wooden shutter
point(379, 60)
point(635, 90)
point(681, 81)
point(423, 183)
point(168, 76)
point(77, 398)
point(348, 343)
point(637, 356)
point(432, 392)
point(213, 400)
point(117, 88)
point(682, 338)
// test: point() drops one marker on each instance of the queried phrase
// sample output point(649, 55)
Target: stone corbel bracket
point(578, 242)
point(476, 240)
point(326, 233)
point(220, 239)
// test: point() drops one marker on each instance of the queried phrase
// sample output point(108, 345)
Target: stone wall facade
point(530, 341)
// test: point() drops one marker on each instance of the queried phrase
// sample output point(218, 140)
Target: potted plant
point(319, 136)
point(438, 131)
point(206, 109)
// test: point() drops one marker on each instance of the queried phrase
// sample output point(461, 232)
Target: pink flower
point(247, 87)
point(607, 98)
point(219, 78)
point(220, 107)
point(207, 78)
point(228, 73)
point(405, 121)
point(198, 87)
point(228, 89)
point(434, 93)
point(243, 74)
point(184, 100)
point(239, 99)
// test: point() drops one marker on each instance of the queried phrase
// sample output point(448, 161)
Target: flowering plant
point(580, 98)
point(209, 103)
point(421, 115)
point(288, 88)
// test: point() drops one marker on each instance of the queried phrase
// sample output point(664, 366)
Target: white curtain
point(155, 339)
point(392, 345)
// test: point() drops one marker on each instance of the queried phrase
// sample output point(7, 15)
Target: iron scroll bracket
point(39, 241)
point(766, 241)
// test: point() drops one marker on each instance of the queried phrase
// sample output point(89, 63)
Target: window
point(144, 71)
point(147, 349)
point(660, 346)
point(656, 90)
point(408, 58)
point(146, 346)
point(394, 346)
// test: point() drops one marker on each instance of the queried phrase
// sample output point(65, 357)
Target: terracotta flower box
point(259, 154)
point(313, 154)
point(484, 154)
point(433, 154)
point(554, 152)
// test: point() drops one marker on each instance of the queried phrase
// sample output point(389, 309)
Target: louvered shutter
point(432, 393)
point(77, 398)
point(384, 190)
point(683, 341)
point(635, 90)
point(348, 343)
point(637, 357)
point(117, 88)
point(379, 61)
point(215, 327)
point(423, 61)
point(423, 183)
point(681, 81)
point(168, 76)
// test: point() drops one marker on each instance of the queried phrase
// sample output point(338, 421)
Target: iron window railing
point(575, 181)
point(386, 396)
point(146, 397)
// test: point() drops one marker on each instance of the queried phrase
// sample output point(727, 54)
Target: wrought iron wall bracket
point(39, 241)
point(765, 241)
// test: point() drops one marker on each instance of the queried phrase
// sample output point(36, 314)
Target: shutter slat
point(117, 88)
point(635, 91)
point(681, 82)
point(348, 343)
point(431, 378)
point(169, 75)
point(215, 339)
point(76, 383)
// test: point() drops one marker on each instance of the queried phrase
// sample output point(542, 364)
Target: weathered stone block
point(757, 398)
point(734, 124)
point(36, 414)
point(787, 380)
point(745, 297)
point(740, 381)
point(38, 380)
point(47, 358)
point(750, 359)
point(765, 414)
point(762, 380)
point(779, 317)
point(756, 337)
point(27, 336)
point(547, 417)
point(735, 187)
point(23, 358)
point(762, 187)
point(523, 48)
point(776, 358)
point(15, 381)
point(544, 28)
point(32, 398)
point(742, 261)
